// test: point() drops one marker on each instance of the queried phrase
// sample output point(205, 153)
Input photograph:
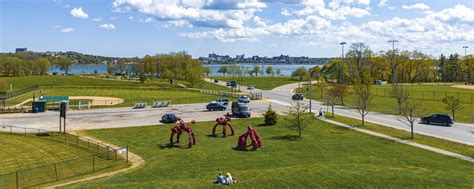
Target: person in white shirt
point(228, 179)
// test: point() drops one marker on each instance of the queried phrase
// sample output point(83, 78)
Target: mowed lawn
point(130, 96)
point(433, 96)
point(260, 82)
point(327, 156)
point(20, 152)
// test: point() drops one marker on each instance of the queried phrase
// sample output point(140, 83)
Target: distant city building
point(282, 59)
point(20, 50)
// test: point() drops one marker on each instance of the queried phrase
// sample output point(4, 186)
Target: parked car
point(169, 118)
point(213, 106)
point(216, 81)
point(223, 101)
point(228, 84)
point(241, 109)
point(244, 99)
point(437, 118)
point(251, 87)
point(297, 97)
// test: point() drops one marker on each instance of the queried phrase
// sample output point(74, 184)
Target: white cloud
point(384, 4)
point(107, 26)
point(97, 19)
point(419, 6)
point(67, 30)
point(79, 13)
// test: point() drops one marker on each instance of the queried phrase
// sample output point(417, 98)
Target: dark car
point(437, 118)
point(169, 118)
point(297, 97)
point(216, 106)
point(216, 81)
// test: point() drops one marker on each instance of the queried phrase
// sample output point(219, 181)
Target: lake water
point(285, 69)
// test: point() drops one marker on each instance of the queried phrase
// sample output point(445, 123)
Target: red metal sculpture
point(179, 129)
point(224, 121)
point(254, 137)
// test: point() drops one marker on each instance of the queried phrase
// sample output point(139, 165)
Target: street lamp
point(342, 60)
point(394, 69)
point(465, 50)
point(309, 90)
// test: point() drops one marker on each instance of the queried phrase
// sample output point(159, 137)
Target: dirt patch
point(95, 100)
point(463, 86)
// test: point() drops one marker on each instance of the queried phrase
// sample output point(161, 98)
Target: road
point(122, 117)
point(458, 132)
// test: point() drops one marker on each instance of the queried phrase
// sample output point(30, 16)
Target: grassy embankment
point(327, 156)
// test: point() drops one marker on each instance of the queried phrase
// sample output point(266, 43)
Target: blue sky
point(311, 28)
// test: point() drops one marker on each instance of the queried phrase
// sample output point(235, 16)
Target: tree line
point(28, 63)
point(399, 66)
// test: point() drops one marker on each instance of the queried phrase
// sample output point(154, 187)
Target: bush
point(270, 116)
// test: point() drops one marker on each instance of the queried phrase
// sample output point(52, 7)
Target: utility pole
point(394, 68)
point(465, 50)
point(342, 61)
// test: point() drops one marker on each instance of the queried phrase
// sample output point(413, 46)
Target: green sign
point(55, 98)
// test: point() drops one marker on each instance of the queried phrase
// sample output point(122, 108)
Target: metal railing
point(102, 157)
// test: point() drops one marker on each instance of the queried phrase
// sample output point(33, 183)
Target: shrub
point(270, 116)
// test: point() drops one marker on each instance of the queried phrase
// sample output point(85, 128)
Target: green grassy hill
point(326, 157)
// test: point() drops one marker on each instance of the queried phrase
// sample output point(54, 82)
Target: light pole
point(465, 50)
point(394, 69)
point(309, 91)
point(342, 60)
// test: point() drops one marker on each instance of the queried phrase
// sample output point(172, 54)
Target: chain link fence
point(102, 157)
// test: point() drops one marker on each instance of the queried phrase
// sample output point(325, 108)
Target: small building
point(20, 50)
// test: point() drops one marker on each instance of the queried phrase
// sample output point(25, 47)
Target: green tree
point(271, 116)
point(300, 73)
point(256, 69)
point(411, 110)
point(64, 63)
point(269, 70)
point(207, 71)
point(278, 72)
point(223, 70)
point(42, 65)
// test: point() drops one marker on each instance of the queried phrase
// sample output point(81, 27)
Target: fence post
point(17, 185)
point(56, 172)
point(93, 163)
point(126, 147)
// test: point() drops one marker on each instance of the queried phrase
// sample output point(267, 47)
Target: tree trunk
point(363, 120)
point(332, 110)
point(412, 131)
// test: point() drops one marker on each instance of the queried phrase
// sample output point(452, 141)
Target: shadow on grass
point(264, 125)
point(286, 137)
point(168, 146)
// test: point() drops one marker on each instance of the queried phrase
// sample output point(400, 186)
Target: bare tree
point(298, 117)
point(331, 98)
point(452, 104)
point(363, 95)
point(401, 94)
point(410, 112)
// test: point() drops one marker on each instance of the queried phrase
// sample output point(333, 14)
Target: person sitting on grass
point(220, 179)
point(229, 179)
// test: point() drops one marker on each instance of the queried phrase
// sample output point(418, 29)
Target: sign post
point(62, 114)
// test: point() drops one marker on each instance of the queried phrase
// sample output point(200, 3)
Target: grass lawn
point(38, 159)
point(327, 156)
point(130, 96)
point(455, 147)
point(261, 82)
point(383, 103)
